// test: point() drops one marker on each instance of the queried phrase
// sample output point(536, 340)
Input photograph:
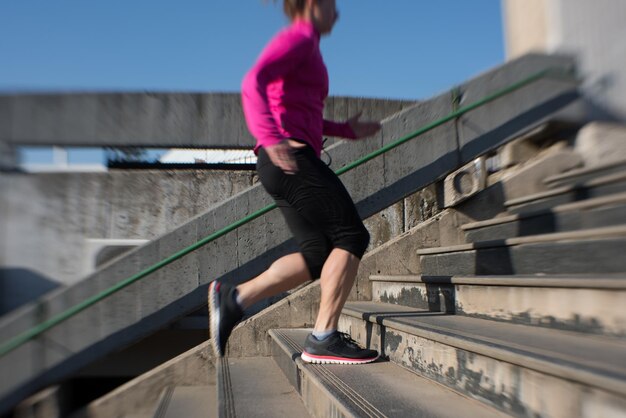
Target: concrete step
point(599, 251)
point(591, 304)
point(524, 371)
point(255, 387)
point(592, 213)
point(188, 402)
point(581, 175)
point(601, 186)
point(380, 389)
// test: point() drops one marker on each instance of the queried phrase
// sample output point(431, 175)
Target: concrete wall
point(51, 222)
point(593, 31)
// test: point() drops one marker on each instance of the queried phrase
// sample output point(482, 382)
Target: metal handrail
point(22, 338)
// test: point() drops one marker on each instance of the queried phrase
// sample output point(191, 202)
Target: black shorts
point(317, 207)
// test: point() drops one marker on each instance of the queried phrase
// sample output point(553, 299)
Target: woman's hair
point(293, 8)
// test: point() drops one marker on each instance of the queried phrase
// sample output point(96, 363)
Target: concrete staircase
point(526, 319)
point(179, 289)
point(530, 342)
point(380, 389)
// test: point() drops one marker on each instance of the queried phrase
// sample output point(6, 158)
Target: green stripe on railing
point(20, 339)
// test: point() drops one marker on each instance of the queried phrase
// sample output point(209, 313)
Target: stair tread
point(611, 178)
point(577, 281)
point(585, 234)
point(617, 198)
point(592, 360)
point(260, 389)
point(382, 388)
point(583, 171)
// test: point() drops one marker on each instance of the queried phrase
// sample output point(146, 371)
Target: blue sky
point(408, 49)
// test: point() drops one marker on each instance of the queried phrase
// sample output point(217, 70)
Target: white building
point(592, 30)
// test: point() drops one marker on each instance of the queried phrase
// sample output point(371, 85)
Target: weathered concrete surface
point(179, 289)
point(591, 311)
point(420, 206)
point(513, 389)
point(159, 120)
point(431, 297)
point(378, 389)
point(385, 225)
point(502, 369)
point(588, 304)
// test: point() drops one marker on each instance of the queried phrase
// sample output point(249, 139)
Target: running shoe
point(336, 348)
point(224, 313)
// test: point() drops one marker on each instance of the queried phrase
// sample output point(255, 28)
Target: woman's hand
point(281, 156)
point(363, 129)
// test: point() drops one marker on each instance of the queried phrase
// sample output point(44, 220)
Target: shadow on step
point(544, 224)
point(378, 317)
point(490, 261)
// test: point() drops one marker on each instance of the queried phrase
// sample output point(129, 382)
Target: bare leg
point(338, 276)
point(284, 274)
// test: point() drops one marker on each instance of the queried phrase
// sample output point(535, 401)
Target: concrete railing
point(179, 288)
point(157, 120)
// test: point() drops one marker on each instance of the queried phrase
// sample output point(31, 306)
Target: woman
point(283, 101)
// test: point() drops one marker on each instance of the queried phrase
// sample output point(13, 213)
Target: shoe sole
point(214, 313)
point(310, 358)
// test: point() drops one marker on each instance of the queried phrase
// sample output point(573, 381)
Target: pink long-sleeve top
point(283, 94)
